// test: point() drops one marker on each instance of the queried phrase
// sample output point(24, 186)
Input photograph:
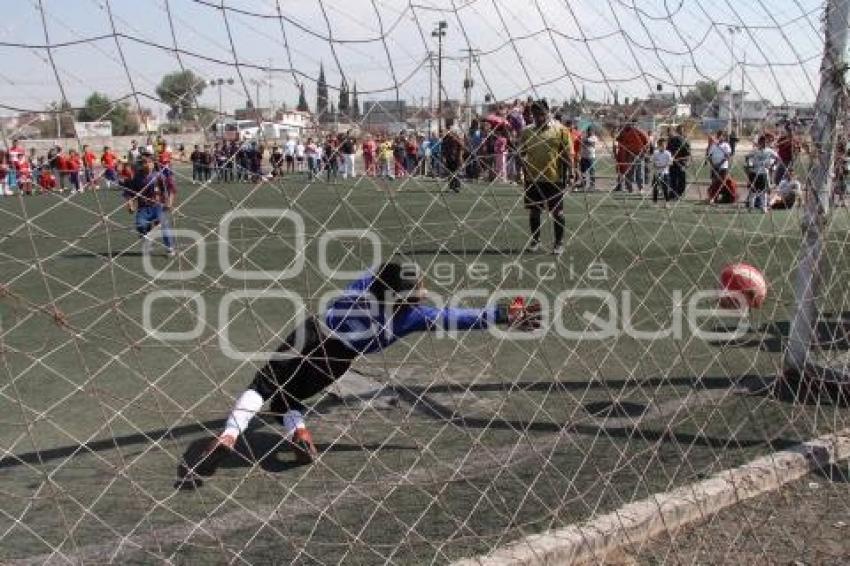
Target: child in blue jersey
point(372, 313)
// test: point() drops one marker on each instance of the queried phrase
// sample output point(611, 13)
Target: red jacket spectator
point(633, 141)
point(788, 146)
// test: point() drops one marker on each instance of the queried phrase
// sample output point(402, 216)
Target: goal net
point(188, 182)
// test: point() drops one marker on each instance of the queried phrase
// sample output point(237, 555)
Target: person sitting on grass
point(372, 313)
point(788, 192)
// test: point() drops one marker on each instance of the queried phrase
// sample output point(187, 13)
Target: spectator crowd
point(490, 149)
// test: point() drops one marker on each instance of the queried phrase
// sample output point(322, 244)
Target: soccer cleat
point(303, 447)
point(171, 252)
point(558, 249)
point(533, 247)
point(198, 465)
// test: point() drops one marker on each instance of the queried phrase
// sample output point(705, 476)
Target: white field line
point(636, 522)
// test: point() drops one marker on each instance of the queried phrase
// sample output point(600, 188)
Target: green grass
point(519, 441)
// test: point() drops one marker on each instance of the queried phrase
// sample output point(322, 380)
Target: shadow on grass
point(104, 255)
point(832, 333)
point(612, 384)
point(265, 447)
point(271, 452)
point(468, 251)
point(608, 409)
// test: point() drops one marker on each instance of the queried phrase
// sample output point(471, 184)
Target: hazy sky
point(549, 47)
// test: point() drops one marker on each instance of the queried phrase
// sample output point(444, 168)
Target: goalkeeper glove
point(516, 313)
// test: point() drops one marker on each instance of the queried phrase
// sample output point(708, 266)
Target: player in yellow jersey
point(546, 156)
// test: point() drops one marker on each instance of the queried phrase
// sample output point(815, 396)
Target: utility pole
point(257, 83)
point(219, 82)
point(269, 84)
point(440, 32)
point(741, 112)
point(471, 55)
point(430, 90)
point(732, 31)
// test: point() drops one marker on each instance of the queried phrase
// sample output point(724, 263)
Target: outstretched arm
point(513, 313)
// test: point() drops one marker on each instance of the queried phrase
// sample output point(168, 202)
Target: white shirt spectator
point(588, 146)
point(661, 160)
point(299, 150)
point(718, 155)
point(289, 148)
point(763, 160)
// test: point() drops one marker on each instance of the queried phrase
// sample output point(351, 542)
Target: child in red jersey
point(73, 164)
point(109, 161)
point(164, 164)
point(25, 176)
point(126, 172)
point(46, 178)
point(89, 160)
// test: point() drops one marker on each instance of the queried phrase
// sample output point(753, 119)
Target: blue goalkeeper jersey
point(366, 326)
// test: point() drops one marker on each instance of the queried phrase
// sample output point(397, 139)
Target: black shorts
point(312, 361)
point(300, 158)
point(544, 195)
point(289, 159)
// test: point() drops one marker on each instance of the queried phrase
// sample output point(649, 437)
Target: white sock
point(248, 404)
point(292, 420)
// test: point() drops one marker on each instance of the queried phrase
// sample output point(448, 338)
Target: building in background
point(745, 111)
point(384, 116)
point(800, 112)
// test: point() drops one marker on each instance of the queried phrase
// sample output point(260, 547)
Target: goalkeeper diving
point(372, 313)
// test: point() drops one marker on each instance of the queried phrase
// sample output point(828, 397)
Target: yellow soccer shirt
point(543, 150)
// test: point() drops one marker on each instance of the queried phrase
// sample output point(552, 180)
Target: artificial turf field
point(471, 440)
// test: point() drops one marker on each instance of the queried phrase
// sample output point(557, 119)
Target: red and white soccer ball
point(744, 281)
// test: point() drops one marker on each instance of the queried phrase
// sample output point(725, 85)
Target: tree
point(355, 104)
point(98, 107)
point(321, 93)
point(203, 115)
point(302, 100)
point(703, 92)
point(180, 91)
